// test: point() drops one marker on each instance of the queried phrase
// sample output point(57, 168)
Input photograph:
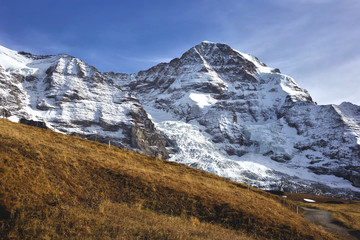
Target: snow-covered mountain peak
point(208, 77)
point(73, 97)
point(226, 112)
point(41, 65)
point(216, 55)
point(28, 64)
point(207, 42)
point(222, 54)
point(12, 60)
point(213, 108)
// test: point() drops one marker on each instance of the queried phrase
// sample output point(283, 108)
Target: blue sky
point(314, 41)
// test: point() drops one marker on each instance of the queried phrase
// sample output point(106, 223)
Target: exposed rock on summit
point(230, 114)
point(73, 97)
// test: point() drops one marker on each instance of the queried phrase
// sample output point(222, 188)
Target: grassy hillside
point(54, 186)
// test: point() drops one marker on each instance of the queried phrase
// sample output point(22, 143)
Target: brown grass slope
point(345, 212)
point(54, 186)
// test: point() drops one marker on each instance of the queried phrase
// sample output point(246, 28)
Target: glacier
point(214, 108)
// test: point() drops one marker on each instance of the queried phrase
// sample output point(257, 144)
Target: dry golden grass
point(347, 214)
point(114, 221)
point(54, 186)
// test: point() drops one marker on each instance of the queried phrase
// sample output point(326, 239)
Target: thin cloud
point(303, 1)
point(324, 83)
point(316, 49)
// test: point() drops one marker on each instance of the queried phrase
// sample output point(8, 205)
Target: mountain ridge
point(214, 108)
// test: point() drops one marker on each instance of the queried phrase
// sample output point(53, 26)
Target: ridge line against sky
point(313, 41)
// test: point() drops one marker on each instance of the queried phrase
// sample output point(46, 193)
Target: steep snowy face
point(225, 112)
point(214, 108)
point(73, 97)
point(331, 137)
point(215, 77)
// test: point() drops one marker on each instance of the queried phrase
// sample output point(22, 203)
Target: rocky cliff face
point(228, 113)
point(73, 97)
point(214, 108)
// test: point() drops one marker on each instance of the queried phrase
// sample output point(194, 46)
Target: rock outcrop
point(73, 97)
point(33, 123)
point(230, 114)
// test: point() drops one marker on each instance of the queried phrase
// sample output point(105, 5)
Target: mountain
point(214, 108)
point(73, 97)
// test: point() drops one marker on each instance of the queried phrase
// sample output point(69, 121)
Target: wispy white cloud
point(317, 46)
point(303, 1)
point(335, 84)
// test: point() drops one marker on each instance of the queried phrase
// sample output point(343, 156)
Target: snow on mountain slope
point(227, 113)
point(74, 98)
point(12, 61)
point(214, 108)
point(350, 114)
